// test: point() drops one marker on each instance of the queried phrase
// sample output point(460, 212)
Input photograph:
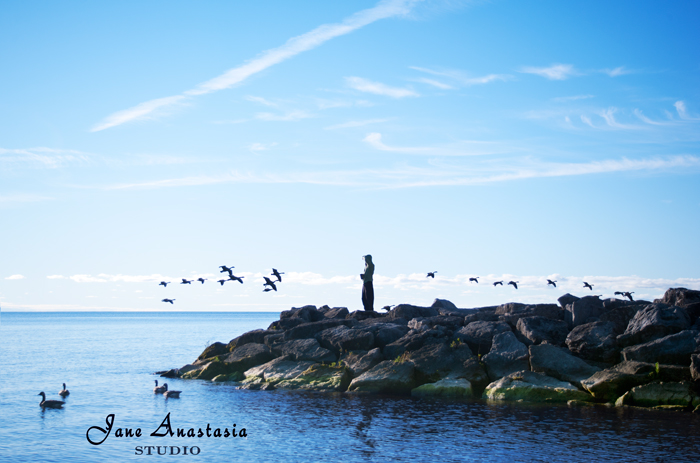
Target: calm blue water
point(107, 361)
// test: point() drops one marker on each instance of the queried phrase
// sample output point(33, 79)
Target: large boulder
point(474, 371)
point(595, 341)
point(255, 336)
point(413, 340)
point(567, 299)
point(445, 305)
point(247, 356)
point(434, 361)
point(479, 335)
point(583, 310)
point(409, 311)
point(660, 393)
point(481, 314)
point(359, 361)
point(386, 377)
point(452, 388)
point(213, 350)
point(336, 312)
point(538, 329)
point(529, 386)
point(319, 377)
point(304, 349)
point(653, 322)
point(611, 383)
point(689, 299)
point(341, 338)
point(308, 313)
point(674, 349)
point(309, 330)
point(278, 369)
point(450, 322)
point(619, 313)
point(388, 333)
point(507, 356)
point(558, 363)
point(513, 311)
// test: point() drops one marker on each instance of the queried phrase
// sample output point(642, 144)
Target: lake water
point(108, 360)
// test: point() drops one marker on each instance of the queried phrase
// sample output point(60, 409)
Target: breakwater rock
point(586, 349)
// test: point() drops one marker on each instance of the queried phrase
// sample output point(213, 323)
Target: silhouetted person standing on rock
point(367, 288)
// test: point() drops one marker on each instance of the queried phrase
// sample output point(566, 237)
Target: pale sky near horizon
point(505, 140)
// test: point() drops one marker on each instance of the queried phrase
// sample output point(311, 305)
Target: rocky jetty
point(584, 350)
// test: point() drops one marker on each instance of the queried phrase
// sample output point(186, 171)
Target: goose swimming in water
point(64, 392)
point(160, 389)
point(171, 394)
point(49, 403)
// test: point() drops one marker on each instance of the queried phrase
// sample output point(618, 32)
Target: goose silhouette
point(514, 283)
point(588, 285)
point(496, 283)
point(168, 300)
point(164, 284)
point(475, 280)
point(49, 403)
point(64, 392)
point(269, 283)
point(277, 274)
point(431, 274)
point(553, 283)
point(160, 389)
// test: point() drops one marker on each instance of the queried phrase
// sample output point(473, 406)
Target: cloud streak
point(377, 88)
point(294, 46)
point(553, 72)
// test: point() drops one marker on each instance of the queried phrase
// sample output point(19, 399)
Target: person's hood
point(368, 259)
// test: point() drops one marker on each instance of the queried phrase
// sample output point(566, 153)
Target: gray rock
point(387, 377)
point(255, 336)
point(689, 299)
point(558, 363)
point(360, 315)
point(309, 330)
point(453, 388)
point(529, 386)
point(409, 311)
point(653, 322)
point(539, 329)
point(304, 349)
point(513, 311)
point(387, 334)
point(611, 383)
point(583, 310)
point(278, 369)
point(660, 393)
point(619, 313)
point(474, 371)
point(674, 349)
point(213, 350)
point(507, 356)
point(359, 362)
point(247, 356)
point(413, 340)
point(594, 341)
point(273, 339)
point(308, 313)
point(336, 312)
point(435, 361)
point(482, 314)
point(444, 304)
point(695, 367)
point(567, 299)
point(448, 321)
point(478, 335)
point(319, 377)
point(342, 338)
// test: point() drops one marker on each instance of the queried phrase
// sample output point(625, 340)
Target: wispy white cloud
point(643, 118)
point(460, 77)
point(683, 111)
point(289, 116)
point(42, 156)
point(377, 88)
point(553, 72)
point(15, 277)
point(586, 120)
point(262, 101)
point(464, 148)
point(258, 147)
point(618, 71)
point(609, 116)
point(564, 99)
point(435, 83)
point(294, 46)
point(350, 124)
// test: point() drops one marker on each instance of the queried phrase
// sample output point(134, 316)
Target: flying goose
point(201, 280)
point(514, 283)
point(233, 277)
point(225, 268)
point(431, 274)
point(168, 300)
point(588, 285)
point(277, 274)
point(553, 283)
point(496, 283)
point(49, 403)
point(475, 280)
point(164, 284)
point(64, 392)
point(186, 281)
point(269, 283)
point(629, 295)
point(222, 281)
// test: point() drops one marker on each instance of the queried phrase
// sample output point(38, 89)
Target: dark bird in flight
point(222, 281)
point(588, 285)
point(49, 403)
point(267, 289)
point(186, 282)
point(553, 283)
point(225, 268)
point(164, 284)
point(628, 295)
point(168, 300)
point(269, 283)
point(387, 307)
point(431, 274)
point(277, 274)
point(201, 280)
point(514, 283)
point(475, 280)
point(619, 293)
point(496, 283)
point(233, 277)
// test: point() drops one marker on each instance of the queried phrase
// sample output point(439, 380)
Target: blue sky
point(496, 139)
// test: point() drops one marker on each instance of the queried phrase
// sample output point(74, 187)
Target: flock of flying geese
point(627, 294)
point(64, 393)
point(269, 284)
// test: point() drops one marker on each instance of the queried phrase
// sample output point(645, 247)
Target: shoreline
point(580, 351)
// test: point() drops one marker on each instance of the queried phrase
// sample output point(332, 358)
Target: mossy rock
point(235, 376)
point(215, 369)
point(528, 386)
point(456, 388)
point(319, 377)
